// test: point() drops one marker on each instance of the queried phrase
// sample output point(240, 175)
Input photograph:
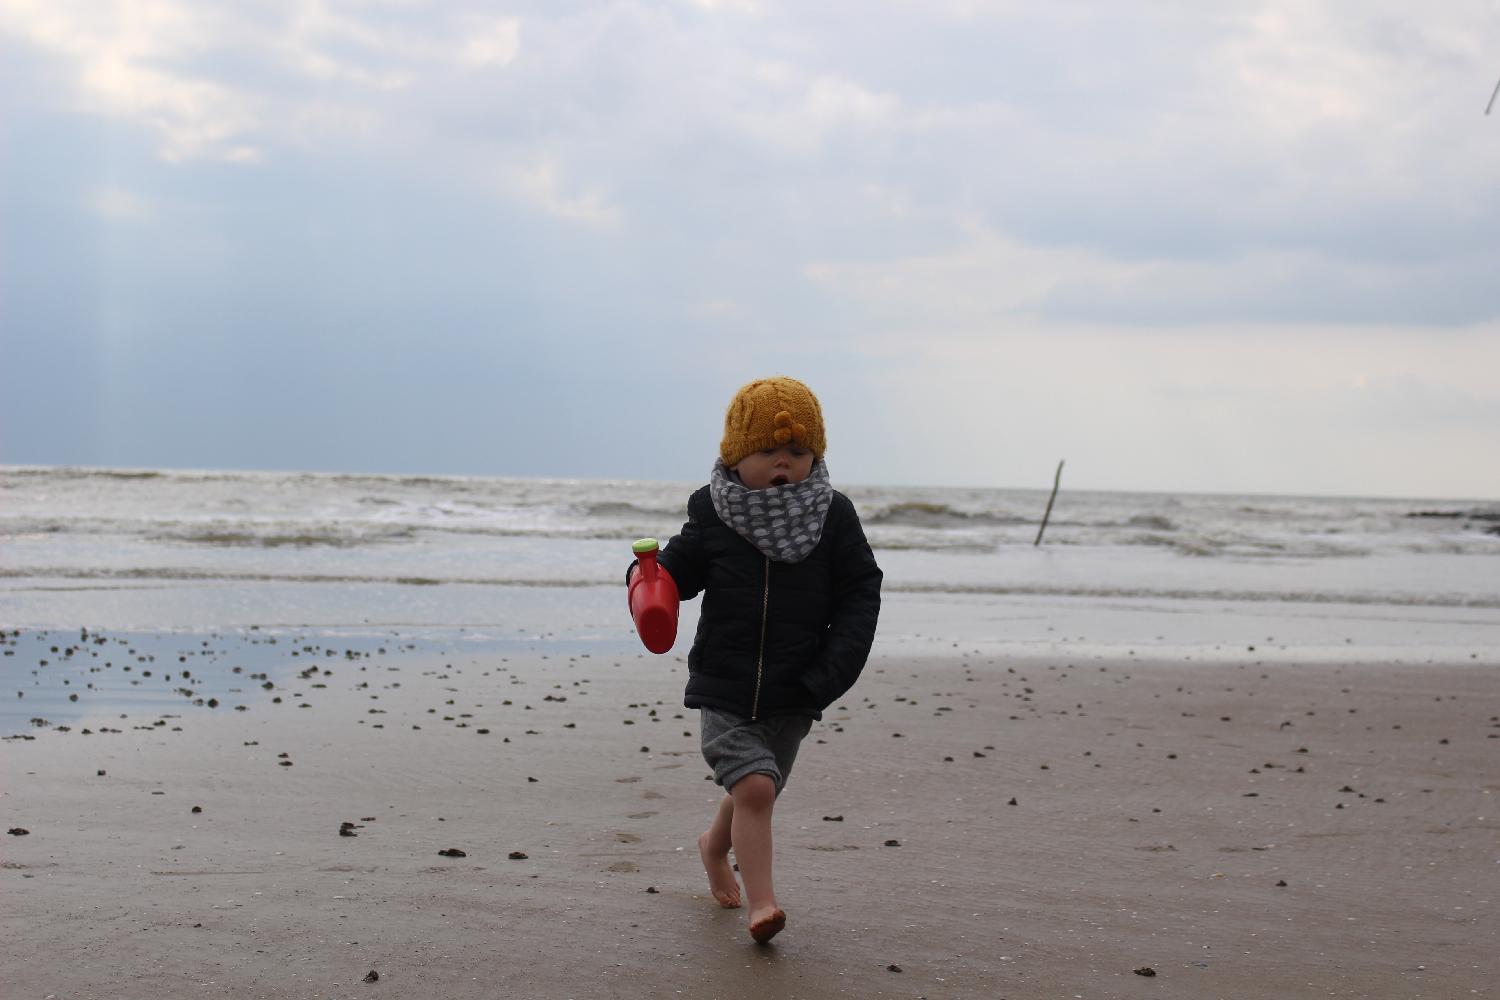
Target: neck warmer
point(784, 522)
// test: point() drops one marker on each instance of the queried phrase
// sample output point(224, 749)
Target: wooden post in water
point(1056, 481)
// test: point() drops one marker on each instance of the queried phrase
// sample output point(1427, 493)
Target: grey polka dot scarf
point(784, 522)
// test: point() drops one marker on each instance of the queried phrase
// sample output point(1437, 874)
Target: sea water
point(163, 563)
point(98, 528)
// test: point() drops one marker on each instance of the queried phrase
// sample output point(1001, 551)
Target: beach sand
point(963, 824)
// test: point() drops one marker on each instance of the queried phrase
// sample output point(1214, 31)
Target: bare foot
point(763, 927)
point(721, 880)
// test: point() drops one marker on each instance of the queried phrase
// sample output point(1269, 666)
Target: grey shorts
point(736, 747)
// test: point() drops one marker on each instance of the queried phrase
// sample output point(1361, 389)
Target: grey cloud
point(1296, 289)
point(653, 187)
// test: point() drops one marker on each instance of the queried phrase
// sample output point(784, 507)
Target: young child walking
point(791, 594)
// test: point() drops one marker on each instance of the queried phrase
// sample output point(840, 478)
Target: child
point(791, 594)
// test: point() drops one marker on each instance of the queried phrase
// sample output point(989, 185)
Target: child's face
point(775, 467)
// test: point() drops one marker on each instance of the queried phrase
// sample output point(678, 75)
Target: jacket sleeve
point(856, 608)
point(683, 558)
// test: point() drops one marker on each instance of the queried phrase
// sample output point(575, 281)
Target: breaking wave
point(925, 514)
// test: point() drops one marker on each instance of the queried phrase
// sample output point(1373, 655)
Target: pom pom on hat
point(768, 413)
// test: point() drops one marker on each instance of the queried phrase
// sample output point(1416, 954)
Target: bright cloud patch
point(221, 81)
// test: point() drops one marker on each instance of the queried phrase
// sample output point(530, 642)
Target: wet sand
point(964, 824)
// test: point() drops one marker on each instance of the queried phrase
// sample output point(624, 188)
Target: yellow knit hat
point(769, 412)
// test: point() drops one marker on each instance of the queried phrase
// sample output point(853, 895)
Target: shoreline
point(1158, 804)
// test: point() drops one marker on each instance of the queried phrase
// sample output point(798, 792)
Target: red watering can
point(653, 599)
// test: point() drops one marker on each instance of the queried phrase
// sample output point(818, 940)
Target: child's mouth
point(778, 480)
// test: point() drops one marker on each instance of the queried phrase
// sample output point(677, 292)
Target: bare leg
point(713, 848)
point(750, 829)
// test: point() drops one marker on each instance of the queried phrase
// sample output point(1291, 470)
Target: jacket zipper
point(760, 656)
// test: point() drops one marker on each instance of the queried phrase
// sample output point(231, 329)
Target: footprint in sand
point(627, 838)
point(644, 815)
point(623, 866)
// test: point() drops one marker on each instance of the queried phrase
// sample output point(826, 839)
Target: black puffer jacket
point(775, 638)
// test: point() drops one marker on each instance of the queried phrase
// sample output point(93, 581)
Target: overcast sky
point(1184, 245)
